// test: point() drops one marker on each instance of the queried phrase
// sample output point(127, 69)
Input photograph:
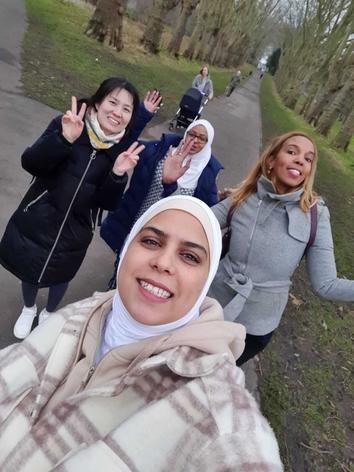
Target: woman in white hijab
point(143, 378)
point(174, 164)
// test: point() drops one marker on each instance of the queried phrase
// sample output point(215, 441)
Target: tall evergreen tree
point(273, 61)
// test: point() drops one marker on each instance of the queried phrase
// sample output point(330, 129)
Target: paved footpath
point(236, 121)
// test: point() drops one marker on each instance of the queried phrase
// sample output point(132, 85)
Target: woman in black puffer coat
point(79, 166)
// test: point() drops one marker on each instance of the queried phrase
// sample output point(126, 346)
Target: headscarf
point(199, 160)
point(98, 139)
point(121, 328)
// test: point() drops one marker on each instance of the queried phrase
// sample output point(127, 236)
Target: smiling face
point(165, 268)
point(292, 164)
point(205, 72)
point(199, 136)
point(115, 111)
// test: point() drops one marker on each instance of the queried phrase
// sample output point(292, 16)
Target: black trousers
point(254, 345)
point(56, 293)
point(231, 89)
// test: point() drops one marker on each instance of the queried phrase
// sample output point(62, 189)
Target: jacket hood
point(209, 333)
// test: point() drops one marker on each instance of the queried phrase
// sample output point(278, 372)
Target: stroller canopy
point(192, 100)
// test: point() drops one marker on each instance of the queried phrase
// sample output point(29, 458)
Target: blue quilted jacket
point(118, 223)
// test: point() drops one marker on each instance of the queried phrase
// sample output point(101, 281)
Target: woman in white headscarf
point(173, 164)
point(142, 378)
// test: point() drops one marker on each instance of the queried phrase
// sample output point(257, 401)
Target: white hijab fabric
point(120, 328)
point(199, 160)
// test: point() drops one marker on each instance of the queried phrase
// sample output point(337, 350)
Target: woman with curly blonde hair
point(275, 219)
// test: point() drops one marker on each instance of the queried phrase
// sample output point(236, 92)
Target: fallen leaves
point(295, 301)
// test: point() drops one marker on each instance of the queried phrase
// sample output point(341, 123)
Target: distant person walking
point(79, 166)
point(234, 82)
point(203, 83)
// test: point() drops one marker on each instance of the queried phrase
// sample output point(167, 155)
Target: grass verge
point(308, 383)
point(59, 60)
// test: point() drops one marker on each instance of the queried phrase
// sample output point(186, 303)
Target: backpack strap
point(313, 214)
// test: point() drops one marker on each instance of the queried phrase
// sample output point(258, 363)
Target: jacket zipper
point(251, 235)
point(93, 367)
point(88, 377)
point(34, 201)
point(92, 157)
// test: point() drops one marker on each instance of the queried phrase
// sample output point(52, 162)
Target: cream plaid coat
point(179, 410)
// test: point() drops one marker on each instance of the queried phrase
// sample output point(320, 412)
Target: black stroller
point(190, 108)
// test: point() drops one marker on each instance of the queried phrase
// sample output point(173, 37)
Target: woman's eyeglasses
point(200, 137)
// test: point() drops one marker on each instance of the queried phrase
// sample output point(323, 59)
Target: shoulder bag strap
point(229, 216)
point(313, 211)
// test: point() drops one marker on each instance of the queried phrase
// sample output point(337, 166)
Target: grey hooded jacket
point(269, 236)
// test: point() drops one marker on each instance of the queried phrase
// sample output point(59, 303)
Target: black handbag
point(227, 235)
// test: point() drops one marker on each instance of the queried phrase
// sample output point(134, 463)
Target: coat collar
point(266, 188)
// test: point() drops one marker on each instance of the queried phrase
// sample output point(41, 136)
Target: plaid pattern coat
point(179, 410)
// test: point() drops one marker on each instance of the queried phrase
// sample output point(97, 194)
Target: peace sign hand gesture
point(72, 122)
point(172, 168)
point(128, 159)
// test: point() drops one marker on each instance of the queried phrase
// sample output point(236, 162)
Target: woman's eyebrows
point(157, 231)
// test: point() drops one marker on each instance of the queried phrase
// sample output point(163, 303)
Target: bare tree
point(187, 8)
point(316, 51)
point(331, 114)
point(203, 8)
point(106, 23)
point(342, 139)
point(154, 28)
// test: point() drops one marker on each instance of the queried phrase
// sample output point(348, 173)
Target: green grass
point(59, 60)
point(310, 362)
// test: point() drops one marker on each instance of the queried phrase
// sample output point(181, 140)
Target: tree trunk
point(187, 8)
point(331, 114)
point(308, 101)
point(342, 139)
point(202, 44)
point(292, 97)
point(154, 28)
point(210, 47)
point(217, 53)
point(197, 33)
point(106, 23)
point(317, 108)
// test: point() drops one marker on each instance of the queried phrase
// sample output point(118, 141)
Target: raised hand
point(173, 167)
point(152, 101)
point(72, 122)
point(128, 159)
